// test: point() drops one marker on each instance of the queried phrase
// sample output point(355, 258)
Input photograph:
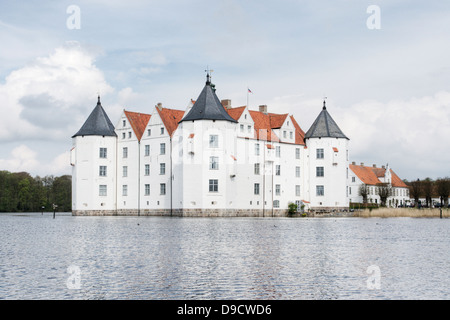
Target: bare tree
point(363, 191)
point(415, 188)
point(443, 190)
point(427, 188)
point(384, 191)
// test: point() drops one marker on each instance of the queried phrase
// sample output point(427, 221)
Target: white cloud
point(23, 158)
point(51, 95)
point(411, 135)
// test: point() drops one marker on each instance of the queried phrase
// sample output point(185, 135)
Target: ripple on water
point(198, 258)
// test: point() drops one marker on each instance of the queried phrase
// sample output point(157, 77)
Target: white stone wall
point(335, 171)
point(86, 179)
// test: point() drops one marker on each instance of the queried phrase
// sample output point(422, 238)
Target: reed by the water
point(402, 212)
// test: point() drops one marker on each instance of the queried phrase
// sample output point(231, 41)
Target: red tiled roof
point(299, 133)
point(277, 120)
point(396, 181)
point(370, 175)
point(235, 113)
point(170, 118)
point(262, 126)
point(138, 122)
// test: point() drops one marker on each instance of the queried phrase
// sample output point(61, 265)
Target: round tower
point(93, 160)
point(206, 177)
point(327, 147)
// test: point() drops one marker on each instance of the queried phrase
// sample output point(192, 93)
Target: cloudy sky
point(385, 73)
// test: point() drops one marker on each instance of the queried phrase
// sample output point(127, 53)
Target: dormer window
point(162, 130)
point(124, 123)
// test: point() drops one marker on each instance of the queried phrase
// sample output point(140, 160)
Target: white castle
point(209, 160)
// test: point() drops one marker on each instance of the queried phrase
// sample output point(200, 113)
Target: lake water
point(222, 258)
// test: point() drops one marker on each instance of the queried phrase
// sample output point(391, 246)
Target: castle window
point(125, 152)
point(256, 189)
point(162, 130)
point(297, 172)
point(213, 141)
point(162, 189)
point(147, 190)
point(249, 129)
point(278, 151)
point(149, 132)
point(102, 189)
point(297, 190)
point(256, 149)
point(277, 170)
point(277, 189)
point(102, 171)
point(320, 191)
point(291, 135)
point(124, 123)
point(124, 190)
point(319, 153)
point(213, 185)
point(162, 168)
point(147, 170)
point(147, 150)
point(162, 148)
point(257, 168)
point(297, 153)
point(284, 134)
point(103, 153)
point(276, 203)
point(319, 172)
point(213, 163)
point(241, 127)
point(124, 171)
point(123, 135)
point(129, 135)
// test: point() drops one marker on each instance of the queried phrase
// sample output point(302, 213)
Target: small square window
point(213, 185)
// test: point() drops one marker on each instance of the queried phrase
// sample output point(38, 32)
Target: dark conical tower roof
point(208, 106)
point(97, 124)
point(324, 127)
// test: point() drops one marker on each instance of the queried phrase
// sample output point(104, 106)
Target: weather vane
point(208, 73)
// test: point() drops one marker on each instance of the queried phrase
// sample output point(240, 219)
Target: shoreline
point(402, 212)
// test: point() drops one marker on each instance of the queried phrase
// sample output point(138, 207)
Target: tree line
point(418, 189)
point(20, 192)
point(428, 189)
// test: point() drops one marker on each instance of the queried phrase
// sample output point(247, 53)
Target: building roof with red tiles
point(138, 122)
point(235, 113)
point(371, 175)
point(263, 129)
point(299, 133)
point(277, 120)
point(170, 118)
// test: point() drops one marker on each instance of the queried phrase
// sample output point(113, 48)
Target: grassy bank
point(402, 212)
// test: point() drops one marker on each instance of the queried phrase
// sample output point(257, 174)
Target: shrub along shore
point(402, 212)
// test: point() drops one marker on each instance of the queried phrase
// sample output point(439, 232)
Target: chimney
point(374, 165)
point(362, 164)
point(159, 106)
point(226, 103)
point(263, 108)
point(353, 163)
point(383, 167)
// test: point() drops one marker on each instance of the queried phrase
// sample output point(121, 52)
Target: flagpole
point(247, 99)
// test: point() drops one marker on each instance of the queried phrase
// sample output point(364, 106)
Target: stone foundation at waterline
point(185, 212)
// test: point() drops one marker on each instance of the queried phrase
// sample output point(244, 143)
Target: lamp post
point(54, 210)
